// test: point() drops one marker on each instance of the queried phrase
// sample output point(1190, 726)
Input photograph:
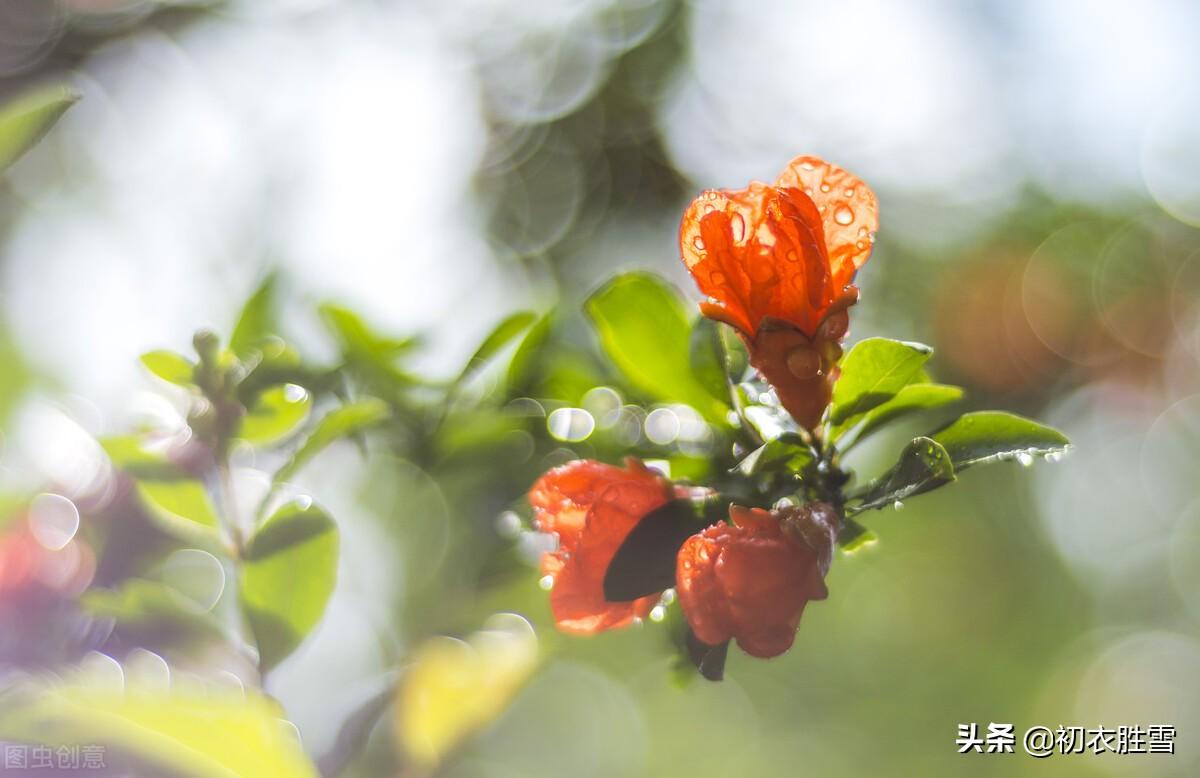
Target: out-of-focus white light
point(196, 575)
point(570, 424)
point(662, 426)
point(53, 520)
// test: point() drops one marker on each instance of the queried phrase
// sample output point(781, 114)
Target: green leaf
point(24, 120)
point(181, 507)
point(788, 451)
point(358, 339)
point(643, 327)
point(910, 399)
point(873, 372)
point(349, 419)
point(524, 364)
point(707, 357)
point(127, 454)
point(257, 319)
point(169, 366)
point(187, 731)
point(987, 436)
point(923, 465)
point(500, 336)
point(855, 537)
point(278, 411)
point(288, 574)
point(152, 611)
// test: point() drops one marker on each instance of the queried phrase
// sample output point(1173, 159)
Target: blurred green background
point(434, 166)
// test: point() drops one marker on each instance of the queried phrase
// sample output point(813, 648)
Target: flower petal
point(849, 212)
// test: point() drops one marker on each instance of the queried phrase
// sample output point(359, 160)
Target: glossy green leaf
point(169, 366)
point(873, 371)
point(181, 507)
point(151, 611)
point(500, 336)
point(707, 357)
point(788, 452)
point(277, 413)
point(357, 338)
point(187, 731)
point(127, 454)
point(256, 320)
point(924, 465)
point(349, 419)
point(910, 399)
point(25, 119)
point(288, 574)
point(643, 327)
point(986, 436)
point(523, 367)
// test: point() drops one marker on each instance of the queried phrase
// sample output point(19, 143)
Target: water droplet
point(294, 394)
point(687, 565)
point(1025, 459)
point(898, 505)
point(825, 187)
point(849, 192)
point(508, 524)
point(808, 190)
point(698, 243)
point(668, 597)
point(862, 232)
point(843, 215)
point(709, 207)
point(658, 613)
point(806, 166)
point(738, 226)
point(1054, 456)
point(702, 554)
point(546, 582)
point(862, 244)
point(53, 520)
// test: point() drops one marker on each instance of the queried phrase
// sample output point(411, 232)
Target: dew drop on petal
point(1025, 459)
point(849, 192)
point(843, 215)
point(658, 613)
point(738, 226)
point(806, 166)
point(698, 243)
point(898, 505)
point(825, 187)
point(546, 582)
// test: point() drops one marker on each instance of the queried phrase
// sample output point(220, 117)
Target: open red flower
point(750, 581)
point(593, 507)
point(777, 264)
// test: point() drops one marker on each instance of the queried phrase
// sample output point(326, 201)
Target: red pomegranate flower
point(750, 581)
point(593, 507)
point(777, 263)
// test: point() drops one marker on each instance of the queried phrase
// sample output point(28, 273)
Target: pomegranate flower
point(593, 507)
point(776, 263)
point(750, 581)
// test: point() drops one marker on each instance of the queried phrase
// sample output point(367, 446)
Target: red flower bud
point(777, 263)
point(750, 581)
point(593, 507)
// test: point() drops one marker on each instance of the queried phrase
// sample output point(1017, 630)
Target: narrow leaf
point(289, 571)
point(525, 361)
point(500, 336)
point(169, 366)
point(257, 319)
point(349, 419)
point(277, 412)
point(986, 436)
point(181, 507)
point(24, 120)
point(873, 372)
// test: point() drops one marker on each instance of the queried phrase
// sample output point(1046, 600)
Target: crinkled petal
point(849, 212)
